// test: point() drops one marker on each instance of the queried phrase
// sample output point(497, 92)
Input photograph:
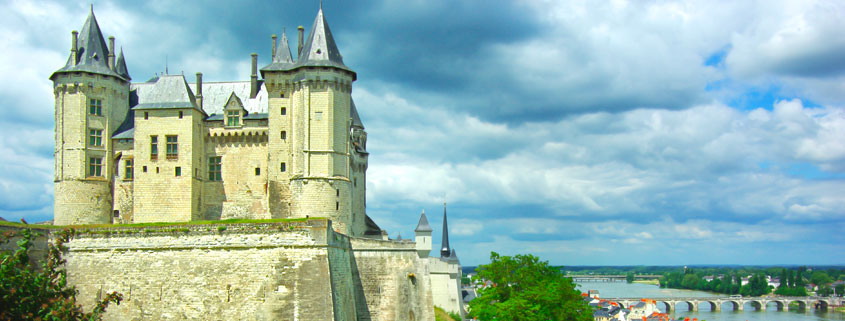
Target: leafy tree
point(825, 290)
point(28, 292)
point(820, 278)
point(524, 288)
point(630, 277)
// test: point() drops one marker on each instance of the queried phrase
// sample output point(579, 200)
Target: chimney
point(253, 79)
point(111, 52)
point(299, 47)
point(273, 57)
point(74, 35)
point(199, 90)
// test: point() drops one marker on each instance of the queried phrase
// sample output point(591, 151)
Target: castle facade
point(286, 144)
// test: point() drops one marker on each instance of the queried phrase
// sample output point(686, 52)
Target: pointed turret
point(423, 226)
point(91, 53)
point(320, 49)
point(423, 236)
point(283, 51)
point(445, 250)
point(120, 66)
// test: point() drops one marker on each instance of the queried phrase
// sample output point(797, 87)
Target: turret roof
point(283, 59)
point(319, 50)
point(445, 250)
point(120, 66)
point(353, 112)
point(91, 51)
point(423, 226)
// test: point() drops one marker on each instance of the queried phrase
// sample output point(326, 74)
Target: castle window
point(233, 118)
point(95, 137)
point(178, 171)
point(318, 115)
point(180, 114)
point(127, 172)
point(172, 146)
point(282, 95)
point(355, 182)
point(145, 169)
point(284, 110)
point(214, 169)
point(284, 135)
point(95, 166)
point(146, 115)
point(257, 171)
point(95, 107)
point(338, 192)
point(337, 206)
point(282, 168)
point(153, 147)
point(116, 213)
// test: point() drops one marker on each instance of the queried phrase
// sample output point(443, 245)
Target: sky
point(582, 132)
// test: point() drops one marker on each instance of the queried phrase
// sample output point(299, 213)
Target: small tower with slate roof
point(423, 236)
point(91, 99)
point(311, 123)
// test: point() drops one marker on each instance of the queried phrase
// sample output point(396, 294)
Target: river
point(637, 290)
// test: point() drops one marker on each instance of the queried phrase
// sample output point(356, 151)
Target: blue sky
point(617, 133)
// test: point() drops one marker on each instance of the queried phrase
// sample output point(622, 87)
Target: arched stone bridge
point(758, 303)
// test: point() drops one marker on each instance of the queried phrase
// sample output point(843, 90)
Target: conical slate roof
point(320, 49)
point(283, 51)
point(283, 59)
point(353, 112)
point(445, 250)
point(91, 51)
point(120, 66)
point(423, 226)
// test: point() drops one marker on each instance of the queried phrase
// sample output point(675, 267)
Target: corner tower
point(91, 100)
point(315, 164)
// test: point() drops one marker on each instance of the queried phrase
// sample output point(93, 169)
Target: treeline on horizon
point(727, 278)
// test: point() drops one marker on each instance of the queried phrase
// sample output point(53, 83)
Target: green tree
point(820, 278)
point(524, 288)
point(28, 292)
point(630, 277)
point(839, 289)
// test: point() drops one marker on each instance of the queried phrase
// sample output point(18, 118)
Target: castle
point(286, 145)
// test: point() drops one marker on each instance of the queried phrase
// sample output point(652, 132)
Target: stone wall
point(394, 281)
point(243, 190)
point(446, 285)
point(165, 187)
point(272, 271)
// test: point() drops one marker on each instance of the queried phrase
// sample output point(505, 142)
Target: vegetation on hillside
point(29, 292)
point(524, 288)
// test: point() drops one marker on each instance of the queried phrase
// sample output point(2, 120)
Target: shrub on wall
point(29, 292)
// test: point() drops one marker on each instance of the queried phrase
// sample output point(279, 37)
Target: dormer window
point(233, 118)
point(234, 112)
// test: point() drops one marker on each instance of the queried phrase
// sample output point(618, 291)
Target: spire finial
point(321, 5)
point(92, 7)
point(166, 72)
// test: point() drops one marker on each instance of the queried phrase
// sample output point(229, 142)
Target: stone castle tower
point(92, 99)
point(289, 144)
